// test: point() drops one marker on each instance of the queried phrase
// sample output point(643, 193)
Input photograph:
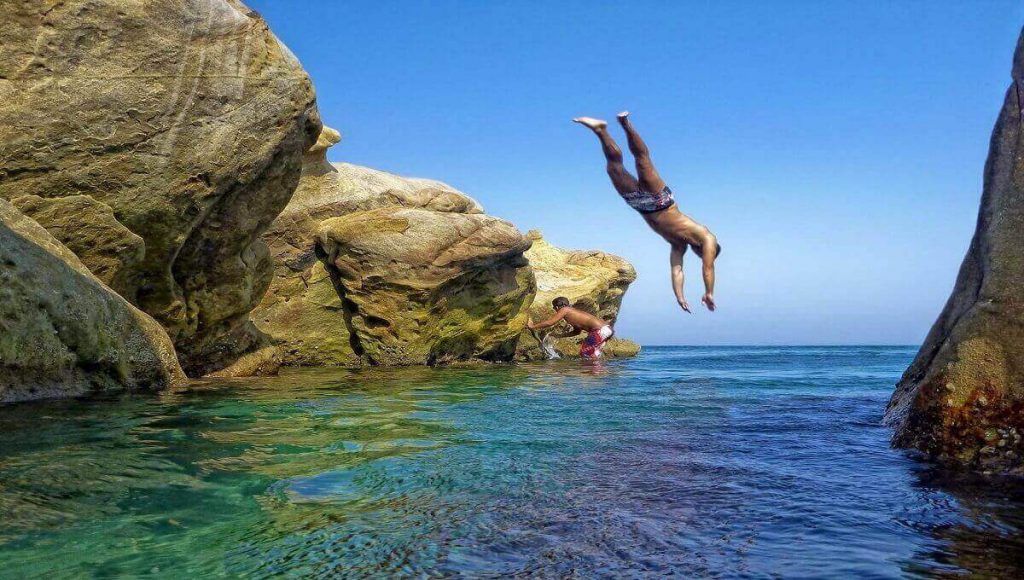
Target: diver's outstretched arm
point(708, 254)
point(676, 262)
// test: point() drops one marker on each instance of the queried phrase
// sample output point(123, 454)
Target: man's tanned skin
point(677, 228)
point(579, 320)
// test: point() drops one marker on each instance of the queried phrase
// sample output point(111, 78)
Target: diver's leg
point(650, 181)
point(622, 179)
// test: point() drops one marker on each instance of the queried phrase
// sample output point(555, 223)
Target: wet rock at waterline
point(592, 280)
point(62, 332)
point(188, 119)
point(962, 399)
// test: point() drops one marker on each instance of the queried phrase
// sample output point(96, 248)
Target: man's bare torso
point(679, 229)
point(583, 321)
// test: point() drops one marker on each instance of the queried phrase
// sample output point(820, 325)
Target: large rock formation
point(962, 399)
point(189, 120)
point(593, 281)
point(302, 310)
point(62, 332)
point(420, 274)
point(427, 287)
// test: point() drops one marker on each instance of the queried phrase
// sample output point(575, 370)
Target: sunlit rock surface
point(62, 332)
point(188, 119)
point(427, 287)
point(962, 399)
point(302, 310)
point(593, 281)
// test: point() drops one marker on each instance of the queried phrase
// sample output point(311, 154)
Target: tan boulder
point(89, 229)
point(428, 287)
point(188, 119)
point(962, 399)
point(302, 310)
point(62, 332)
point(593, 281)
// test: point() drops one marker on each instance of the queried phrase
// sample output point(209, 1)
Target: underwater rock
point(964, 392)
point(189, 119)
point(302, 310)
point(62, 332)
point(89, 229)
point(593, 281)
point(428, 287)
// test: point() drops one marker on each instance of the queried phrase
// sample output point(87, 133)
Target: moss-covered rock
point(406, 308)
point(188, 119)
point(962, 399)
point(62, 332)
point(593, 281)
point(302, 310)
point(428, 287)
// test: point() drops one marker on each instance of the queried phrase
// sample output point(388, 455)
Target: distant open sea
point(699, 461)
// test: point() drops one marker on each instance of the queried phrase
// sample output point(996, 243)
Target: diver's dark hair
point(718, 250)
point(560, 303)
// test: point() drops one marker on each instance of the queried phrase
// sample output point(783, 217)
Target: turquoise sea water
point(723, 462)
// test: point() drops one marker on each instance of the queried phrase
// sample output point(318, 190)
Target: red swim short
point(593, 346)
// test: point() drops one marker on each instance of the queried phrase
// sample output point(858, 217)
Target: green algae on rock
point(188, 119)
point(302, 310)
point(62, 332)
point(427, 287)
point(962, 399)
point(593, 281)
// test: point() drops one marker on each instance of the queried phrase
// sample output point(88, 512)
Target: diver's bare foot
point(590, 122)
point(622, 116)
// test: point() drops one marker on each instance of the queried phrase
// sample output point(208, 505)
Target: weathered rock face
point(188, 119)
point(302, 310)
point(89, 229)
point(593, 281)
point(962, 399)
point(62, 332)
point(427, 287)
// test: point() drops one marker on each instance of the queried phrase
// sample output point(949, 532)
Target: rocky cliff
point(158, 139)
point(412, 272)
point(62, 332)
point(444, 286)
point(426, 287)
point(962, 399)
point(593, 281)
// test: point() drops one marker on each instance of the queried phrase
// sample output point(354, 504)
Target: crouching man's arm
point(547, 323)
point(573, 331)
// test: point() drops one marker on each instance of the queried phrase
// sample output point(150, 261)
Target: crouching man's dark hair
point(559, 303)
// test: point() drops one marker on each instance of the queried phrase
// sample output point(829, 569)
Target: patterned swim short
point(645, 202)
point(593, 345)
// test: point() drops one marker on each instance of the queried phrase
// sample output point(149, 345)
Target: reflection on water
point(710, 461)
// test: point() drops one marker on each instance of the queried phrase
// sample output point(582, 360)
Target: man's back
point(583, 320)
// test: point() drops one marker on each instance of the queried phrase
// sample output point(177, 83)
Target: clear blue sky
point(835, 148)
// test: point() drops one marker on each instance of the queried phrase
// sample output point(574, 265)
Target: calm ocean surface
point(722, 462)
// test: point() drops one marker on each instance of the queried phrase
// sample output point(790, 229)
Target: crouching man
point(598, 331)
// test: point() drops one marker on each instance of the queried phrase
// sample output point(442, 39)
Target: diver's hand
point(709, 301)
point(684, 305)
point(529, 323)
